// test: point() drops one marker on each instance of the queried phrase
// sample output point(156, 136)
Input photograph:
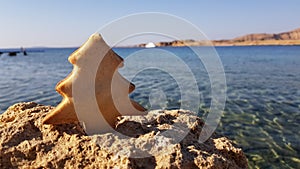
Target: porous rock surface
point(140, 142)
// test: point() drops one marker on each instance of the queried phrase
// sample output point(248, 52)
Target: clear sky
point(64, 23)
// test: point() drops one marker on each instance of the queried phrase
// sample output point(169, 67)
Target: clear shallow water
point(262, 113)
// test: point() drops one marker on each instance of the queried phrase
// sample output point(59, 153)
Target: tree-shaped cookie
point(95, 73)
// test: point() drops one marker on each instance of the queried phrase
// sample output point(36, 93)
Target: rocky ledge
point(26, 143)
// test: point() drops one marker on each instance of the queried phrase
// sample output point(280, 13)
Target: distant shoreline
point(209, 46)
point(291, 38)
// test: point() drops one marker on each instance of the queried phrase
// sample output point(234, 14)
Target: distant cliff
point(292, 35)
point(284, 38)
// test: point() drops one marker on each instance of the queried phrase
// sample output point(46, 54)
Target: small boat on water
point(150, 45)
point(13, 52)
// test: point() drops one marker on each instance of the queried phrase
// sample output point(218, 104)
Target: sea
point(262, 108)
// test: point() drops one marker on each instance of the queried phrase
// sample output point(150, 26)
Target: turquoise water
point(262, 112)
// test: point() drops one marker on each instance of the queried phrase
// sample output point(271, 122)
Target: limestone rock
point(26, 143)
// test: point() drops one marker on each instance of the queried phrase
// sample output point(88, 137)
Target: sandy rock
point(26, 143)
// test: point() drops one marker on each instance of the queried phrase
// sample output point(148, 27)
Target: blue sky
point(62, 23)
